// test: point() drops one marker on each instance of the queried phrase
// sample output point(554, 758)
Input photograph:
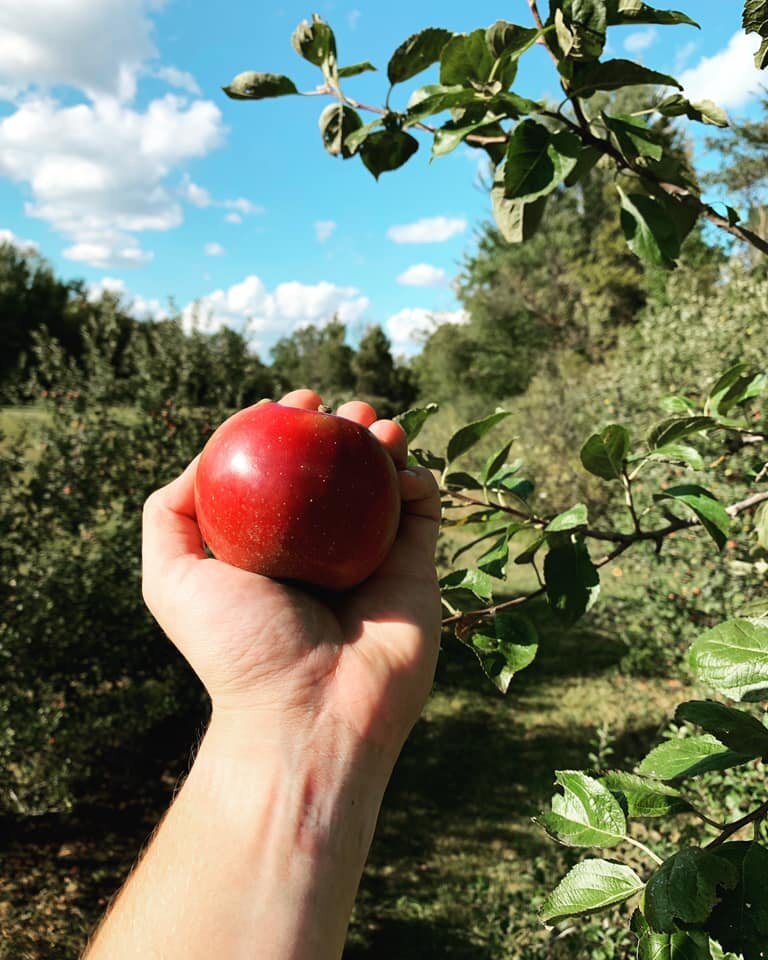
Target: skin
point(261, 853)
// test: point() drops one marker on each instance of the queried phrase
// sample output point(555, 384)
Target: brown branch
point(540, 24)
point(759, 814)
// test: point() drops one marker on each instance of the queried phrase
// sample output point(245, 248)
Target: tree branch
point(759, 814)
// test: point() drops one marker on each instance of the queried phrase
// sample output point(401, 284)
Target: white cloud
point(241, 205)
point(198, 196)
point(353, 18)
point(265, 315)
point(25, 246)
point(177, 78)
point(730, 77)
point(408, 328)
point(423, 275)
point(95, 45)
point(140, 307)
point(428, 230)
point(684, 54)
point(324, 229)
point(233, 218)
point(641, 40)
point(96, 172)
point(214, 250)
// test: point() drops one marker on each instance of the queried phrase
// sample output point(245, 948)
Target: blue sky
point(123, 162)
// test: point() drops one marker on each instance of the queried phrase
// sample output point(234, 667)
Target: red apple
point(298, 495)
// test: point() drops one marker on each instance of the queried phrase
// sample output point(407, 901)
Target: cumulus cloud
point(324, 230)
point(214, 250)
point(729, 77)
point(408, 328)
point(423, 275)
point(177, 78)
point(428, 230)
point(26, 246)
point(265, 315)
point(139, 307)
point(641, 40)
point(233, 218)
point(196, 195)
point(96, 172)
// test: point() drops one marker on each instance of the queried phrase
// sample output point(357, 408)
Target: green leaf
point(604, 453)
point(676, 404)
point(761, 525)
point(755, 20)
point(513, 105)
point(740, 921)
point(590, 886)
point(337, 122)
point(705, 505)
point(588, 157)
point(754, 609)
point(580, 27)
point(459, 480)
point(740, 731)
point(634, 137)
point(355, 140)
point(683, 945)
point(474, 542)
point(498, 460)
point(315, 42)
point(704, 111)
point(615, 74)
point(387, 150)
point(417, 53)
point(466, 60)
point(355, 69)
point(642, 797)
point(737, 385)
point(732, 658)
point(259, 86)
point(509, 649)
point(453, 133)
point(572, 580)
point(517, 220)
point(494, 560)
point(634, 11)
point(586, 814)
point(425, 458)
point(538, 160)
point(676, 428)
point(474, 581)
point(652, 232)
point(530, 551)
point(465, 438)
point(685, 888)
point(678, 453)
point(689, 757)
point(569, 520)
point(413, 420)
point(508, 39)
point(435, 98)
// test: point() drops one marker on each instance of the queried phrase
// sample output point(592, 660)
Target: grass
point(456, 869)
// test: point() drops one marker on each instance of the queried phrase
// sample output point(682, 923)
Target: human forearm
point(260, 855)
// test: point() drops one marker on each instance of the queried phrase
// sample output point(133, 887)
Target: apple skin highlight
point(297, 495)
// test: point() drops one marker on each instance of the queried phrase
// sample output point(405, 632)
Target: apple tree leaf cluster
point(689, 900)
point(535, 148)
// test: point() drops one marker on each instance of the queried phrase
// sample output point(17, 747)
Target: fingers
point(362, 413)
point(305, 399)
point(392, 437)
point(420, 524)
point(420, 493)
point(170, 535)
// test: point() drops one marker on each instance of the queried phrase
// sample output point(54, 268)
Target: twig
point(731, 828)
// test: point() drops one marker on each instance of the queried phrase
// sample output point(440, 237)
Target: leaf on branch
point(474, 581)
point(465, 438)
point(467, 60)
point(676, 428)
point(569, 520)
point(755, 20)
point(641, 797)
point(740, 921)
point(509, 40)
point(413, 420)
point(689, 757)
point(498, 460)
point(494, 560)
point(683, 945)
point(634, 137)
point(511, 647)
point(615, 74)
point(588, 157)
point(425, 458)
point(337, 122)
point(634, 11)
point(704, 111)
point(705, 505)
point(355, 69)
point(591, 885)
point(740, 731)
point(572, 580)
point(586, 814)
point(417, 53)
point(678, 453)
point(674, 403)
point(481, 539)
point(739, 384)
point(387, 150)
point(435, 98)
point(655, 228)
point(604, 453)
point(316, 43)
point(453, 133)
point(580, 26)
point(732, 658)
point(685, 888)
point(259, 86)
point(355, 140)
point(517, 220)
point(538, 160)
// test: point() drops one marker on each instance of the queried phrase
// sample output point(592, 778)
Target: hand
point(288, 659)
